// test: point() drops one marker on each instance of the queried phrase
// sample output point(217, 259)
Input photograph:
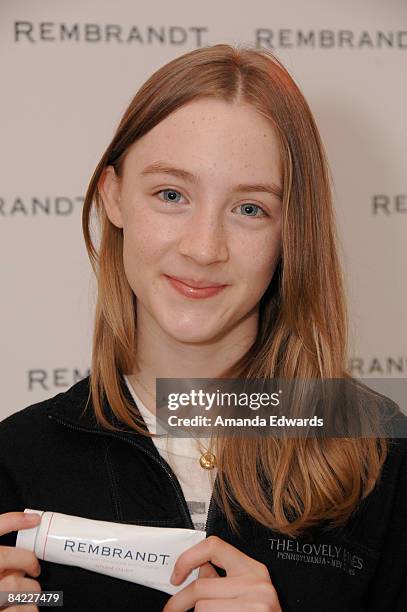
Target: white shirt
point(182, 454)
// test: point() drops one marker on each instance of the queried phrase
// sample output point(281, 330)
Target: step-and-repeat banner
point(68, 70)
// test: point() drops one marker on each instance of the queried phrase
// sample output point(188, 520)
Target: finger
point(207, 571)
point(14, 521)
point(19, 584)
point(14, 583)
point(231, 605)
point(26, 608)
point(19, 559)
point(220, 553)
point(12, 571)
point(209, 588)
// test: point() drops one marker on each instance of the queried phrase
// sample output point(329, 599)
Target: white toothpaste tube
point(145, 555)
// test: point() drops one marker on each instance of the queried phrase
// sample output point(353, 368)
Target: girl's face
point(199, 200)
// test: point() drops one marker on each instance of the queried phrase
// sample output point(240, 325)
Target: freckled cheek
point(257, 265)
point(146, 242)
point(142, 261)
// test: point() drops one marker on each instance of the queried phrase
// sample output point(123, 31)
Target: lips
point(195, 292)
point(201, 284)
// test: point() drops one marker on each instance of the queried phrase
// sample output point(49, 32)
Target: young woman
point(216, 258)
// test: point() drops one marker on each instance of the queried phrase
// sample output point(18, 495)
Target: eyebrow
point(160, 167)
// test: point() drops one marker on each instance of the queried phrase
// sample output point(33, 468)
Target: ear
point(109, 189)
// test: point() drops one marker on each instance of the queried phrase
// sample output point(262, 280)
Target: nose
point(204, 239)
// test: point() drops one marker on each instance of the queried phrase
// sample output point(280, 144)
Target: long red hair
point(302, 318)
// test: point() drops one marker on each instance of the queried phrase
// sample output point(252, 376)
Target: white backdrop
point(68, 70)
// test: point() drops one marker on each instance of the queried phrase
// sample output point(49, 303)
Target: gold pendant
point(207, 461)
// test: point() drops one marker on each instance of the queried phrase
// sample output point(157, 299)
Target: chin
point(195, 336)
point(190, 327)
point(189, 332)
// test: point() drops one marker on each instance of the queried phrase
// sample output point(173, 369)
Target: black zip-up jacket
point(54, 456)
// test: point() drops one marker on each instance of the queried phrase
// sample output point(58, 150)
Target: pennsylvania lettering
point(314, 553)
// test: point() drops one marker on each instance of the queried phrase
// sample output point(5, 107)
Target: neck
point(161, 356)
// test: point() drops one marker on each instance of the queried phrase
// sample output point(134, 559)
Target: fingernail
point(31, 516)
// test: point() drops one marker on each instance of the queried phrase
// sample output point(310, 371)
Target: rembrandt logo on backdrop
point(287, 38)
point(385, 204)
point(278, 38)
point(47, 205)
point(390, 365)
point(52, 32)
point(48, 379)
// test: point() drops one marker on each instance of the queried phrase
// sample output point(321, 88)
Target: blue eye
point(249, 208)
point(169, 191)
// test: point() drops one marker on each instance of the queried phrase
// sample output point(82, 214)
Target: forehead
point(212, 135)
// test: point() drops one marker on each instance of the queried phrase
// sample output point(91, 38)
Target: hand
point(246, 588)
point(15, 562)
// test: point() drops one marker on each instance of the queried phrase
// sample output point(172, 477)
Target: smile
point(196, 293)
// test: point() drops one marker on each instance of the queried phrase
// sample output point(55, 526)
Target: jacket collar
point(73, 410)
point(73, 406)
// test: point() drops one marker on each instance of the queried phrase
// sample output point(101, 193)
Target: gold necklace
point(207, 460)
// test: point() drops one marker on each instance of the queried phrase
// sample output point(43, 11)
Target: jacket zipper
point(210, 516)
point(177, 487)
